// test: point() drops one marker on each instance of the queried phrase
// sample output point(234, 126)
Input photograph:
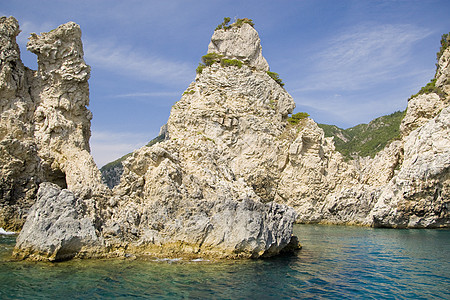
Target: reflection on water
point(335, 262)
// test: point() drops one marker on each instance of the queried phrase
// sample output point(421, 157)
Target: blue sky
point(344, 62)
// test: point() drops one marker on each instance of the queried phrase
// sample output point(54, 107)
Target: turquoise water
point(335, 263)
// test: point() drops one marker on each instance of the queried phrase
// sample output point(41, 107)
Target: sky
point(344, 62)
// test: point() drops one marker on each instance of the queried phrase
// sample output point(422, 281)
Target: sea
point(336, 262)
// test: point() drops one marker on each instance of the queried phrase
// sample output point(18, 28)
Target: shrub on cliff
point(295, 118)
point(445, 42)
point(211, 58)
point(430, 88)
point(238, 23)
point(231, 62)
point(224, 24)
point(275, 77)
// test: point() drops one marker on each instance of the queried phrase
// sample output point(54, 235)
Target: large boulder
point(59, 226)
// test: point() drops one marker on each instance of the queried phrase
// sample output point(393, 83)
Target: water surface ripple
point(335, 263)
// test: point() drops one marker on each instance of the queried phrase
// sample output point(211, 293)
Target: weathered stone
point(58, 227)
point(44, 125)
point(240, 43)
point(421, 109)
point(187, 195)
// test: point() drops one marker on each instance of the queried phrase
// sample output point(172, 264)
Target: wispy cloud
point(363, 56)
point(150, 94)
point(28, 27)
point(108, 146)
point(135, 63)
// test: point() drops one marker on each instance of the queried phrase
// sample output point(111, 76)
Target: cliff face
point(220, 183)
point(45, 125)
point(185, 196)
point(404, 185)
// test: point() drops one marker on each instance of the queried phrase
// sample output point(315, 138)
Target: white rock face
point(443, 72)
point(221, 183)
point(419, 195)
point(420, 110)
point(62, 120)
point(240, 43)
point(44, 125)
point(192, 195)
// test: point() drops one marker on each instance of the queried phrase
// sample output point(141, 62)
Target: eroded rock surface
point(59, 226)
point(240, 43)
point(405, 185)
point(191, 195)
point(45, 125)
point(220, 183)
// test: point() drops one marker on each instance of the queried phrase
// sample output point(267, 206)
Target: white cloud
point(135, 63)
point(109, 146)
point(363, 56)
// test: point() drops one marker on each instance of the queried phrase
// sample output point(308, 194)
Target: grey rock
point(59, 226)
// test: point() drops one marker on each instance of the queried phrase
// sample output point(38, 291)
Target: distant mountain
point(365, 139)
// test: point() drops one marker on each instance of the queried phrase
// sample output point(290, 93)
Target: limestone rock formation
point(62, 120)
point(19, 163)
point(419, 195)
point(193, 194)
point(239, 42)
point(404, 185)
point(59, 226)
point(220, 182)
point(45, 125)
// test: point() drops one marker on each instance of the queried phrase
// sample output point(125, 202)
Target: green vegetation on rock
point(238, 23)
point(365, 139)
point(275, 77)
point(445, 42)
point(296, 118)
point(431, 86)
point(231, 62)
point(212, 58)
point(224, 25)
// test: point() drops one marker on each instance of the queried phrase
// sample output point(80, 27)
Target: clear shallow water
point(335, 263)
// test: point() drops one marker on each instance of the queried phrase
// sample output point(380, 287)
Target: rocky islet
point(231, 176)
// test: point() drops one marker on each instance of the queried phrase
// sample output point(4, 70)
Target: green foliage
point(365, 139)
point(445, 42)
point(200, 68)
point(224, 24)
point(275, 77)
point(430, 88)
point(295, 119)
point(230, 62)
point(189, 92)
point(240, 22)
point(211, 58)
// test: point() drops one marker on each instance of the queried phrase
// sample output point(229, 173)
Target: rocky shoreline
point(229, 180)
